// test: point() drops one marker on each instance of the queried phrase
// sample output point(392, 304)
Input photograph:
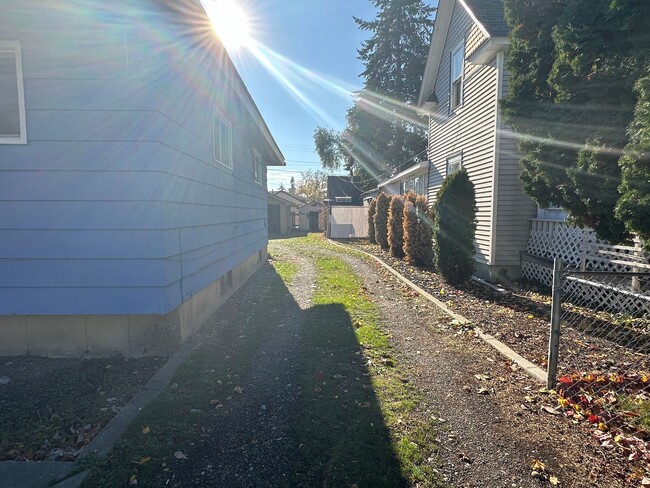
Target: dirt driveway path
point(320, 398)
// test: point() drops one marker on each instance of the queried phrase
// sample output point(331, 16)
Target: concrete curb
point(109, 435)
point(534, 371)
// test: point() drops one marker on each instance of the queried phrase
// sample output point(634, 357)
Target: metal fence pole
point(554, 336)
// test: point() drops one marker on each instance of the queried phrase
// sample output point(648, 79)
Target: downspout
point(497, 151)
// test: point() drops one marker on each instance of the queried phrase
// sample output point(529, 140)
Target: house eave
point(488, 50)
point(413, 170)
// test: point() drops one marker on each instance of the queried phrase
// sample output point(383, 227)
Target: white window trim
point(257, 167)
point(14, 46)
point(454, 157)
point(343, 199)
point(217, 114)
point(459, 47)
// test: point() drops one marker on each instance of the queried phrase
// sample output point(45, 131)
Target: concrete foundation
point(504, 275)
point(130, 335)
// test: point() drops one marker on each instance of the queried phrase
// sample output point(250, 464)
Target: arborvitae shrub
point(395, 226)
point(381, 220)
point(411, 197)
point(454, 228)
point(418, 246)
point(371, 221)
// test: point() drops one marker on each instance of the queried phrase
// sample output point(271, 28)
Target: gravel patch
point(250, 443)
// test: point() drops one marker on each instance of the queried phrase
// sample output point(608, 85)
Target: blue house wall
point(115, 205)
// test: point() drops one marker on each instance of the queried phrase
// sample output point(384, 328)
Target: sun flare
point(230, 22)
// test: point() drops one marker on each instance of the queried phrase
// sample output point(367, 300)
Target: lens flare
point(230, 22)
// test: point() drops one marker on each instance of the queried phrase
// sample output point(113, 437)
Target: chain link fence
point(599, 353)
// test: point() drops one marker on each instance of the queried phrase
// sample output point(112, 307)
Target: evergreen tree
point(384, 134)
point(371, 221)
point(634, 204)
point(395, 226)
point(573, 65)
point(418, 245)
point(381, 220)
point(281, 187)
point(454, 227)
point(292, 188)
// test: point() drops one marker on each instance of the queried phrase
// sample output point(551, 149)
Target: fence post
point(554, 336)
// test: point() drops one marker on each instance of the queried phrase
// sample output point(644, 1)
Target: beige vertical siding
point(514, 208)
point(471, 129)
point(348, 222)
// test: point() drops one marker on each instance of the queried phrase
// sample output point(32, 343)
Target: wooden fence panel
point(347, 222)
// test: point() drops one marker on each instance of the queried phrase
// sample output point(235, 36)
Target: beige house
point(309, 216)
point(464, 79)
point(283, 211)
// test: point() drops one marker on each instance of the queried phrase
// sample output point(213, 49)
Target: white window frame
point(456, 161)
point(258, 168)
point(14, 48)
point(219, 120)
point(343, 199)
point(456, 84)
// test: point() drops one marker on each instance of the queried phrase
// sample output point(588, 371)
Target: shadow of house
point(346, 439)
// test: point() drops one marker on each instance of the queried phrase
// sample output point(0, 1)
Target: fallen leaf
point(146, 430)
point(554, 481)
point(144, 460)
point(551, 410)
point(538, 465)
point(238, 389)
point(180, 455)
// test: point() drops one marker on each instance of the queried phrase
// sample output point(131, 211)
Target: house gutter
point(500, 61)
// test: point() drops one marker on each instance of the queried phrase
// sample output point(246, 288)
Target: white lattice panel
point(537, 273)
point(602, 296)
point(580, 248)
point(614, 298)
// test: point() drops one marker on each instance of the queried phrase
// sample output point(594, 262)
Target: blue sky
point(320, 36)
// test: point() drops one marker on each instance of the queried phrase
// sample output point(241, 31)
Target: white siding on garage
point(514, 207)
point(471, 129)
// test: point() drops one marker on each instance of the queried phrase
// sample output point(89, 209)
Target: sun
point(230, 22)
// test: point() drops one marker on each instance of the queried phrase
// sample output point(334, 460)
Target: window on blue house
point(12, 97)
point(257, 167)
point(222, 140)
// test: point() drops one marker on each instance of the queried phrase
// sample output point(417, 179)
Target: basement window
point(12, 95)
point(226, 282)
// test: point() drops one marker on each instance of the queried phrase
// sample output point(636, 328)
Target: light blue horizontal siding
point(87, 272)
point(115, 205)
point(16, 244)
